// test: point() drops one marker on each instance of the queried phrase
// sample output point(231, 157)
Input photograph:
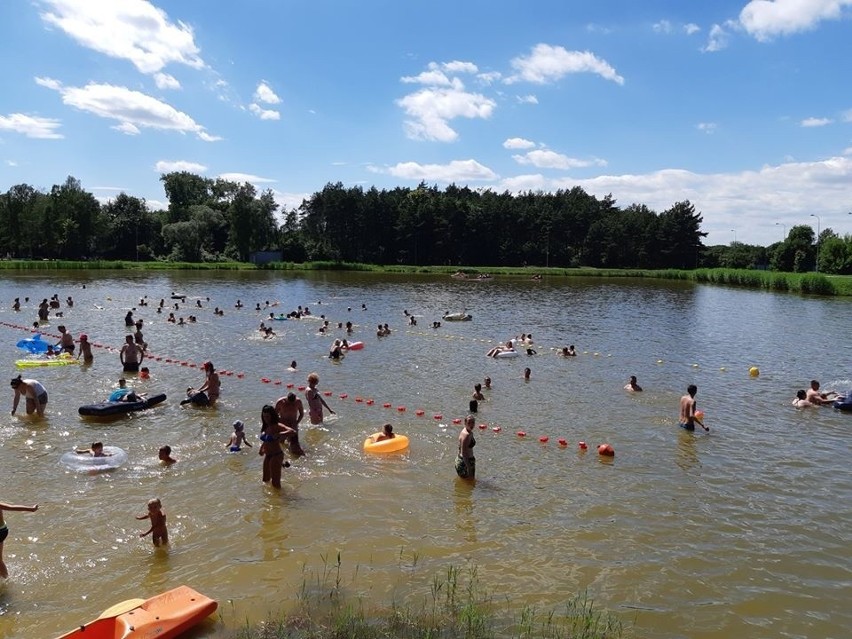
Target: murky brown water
point(743, 533)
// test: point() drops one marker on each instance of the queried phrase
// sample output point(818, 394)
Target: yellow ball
point(754, 371)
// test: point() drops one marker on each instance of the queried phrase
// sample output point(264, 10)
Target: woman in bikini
point(271, 433)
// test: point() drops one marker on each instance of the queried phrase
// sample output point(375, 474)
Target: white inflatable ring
point(113, 458)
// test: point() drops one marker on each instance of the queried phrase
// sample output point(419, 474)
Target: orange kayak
point(163, 616)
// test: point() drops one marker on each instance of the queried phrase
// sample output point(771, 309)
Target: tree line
point(211, 220)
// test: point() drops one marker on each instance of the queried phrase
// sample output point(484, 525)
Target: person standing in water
point(688, 419)
point(466, 462)
point(4, 530)
point(131, 355)
point(315, 401)
point(290, 413)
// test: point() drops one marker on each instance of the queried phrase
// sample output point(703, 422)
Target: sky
point(742, 107)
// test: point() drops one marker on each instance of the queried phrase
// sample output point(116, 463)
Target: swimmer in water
point(238, 438)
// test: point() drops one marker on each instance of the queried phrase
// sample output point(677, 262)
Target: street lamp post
point(784, 227)
point(819, 222)
point(734, 231)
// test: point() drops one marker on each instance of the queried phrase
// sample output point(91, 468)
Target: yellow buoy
point(754, 371)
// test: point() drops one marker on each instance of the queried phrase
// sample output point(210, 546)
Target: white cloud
point(432, 77)
point(597, 28)
point(745, 200)
point(691, 28)
point(847, 115)
point(455, 171)
point(663, 26)
point(32, 126)
point(264, 114)
point(133, 110)
point(489, 77)
point(11, 163)
point(518, 143)
point(133, 30)
point(457, 66)
point(431, 109)
point(547, 64)
point(546, 159)
point(815, 122)
point(847, 150)
point(245, 177)
point(527, 99)
point(170, 166)
point(288, 201)
point(156, 205)
point(707, 127)
point(717, 39)
point(765, 19)
point(265, 94)
point(166, 81)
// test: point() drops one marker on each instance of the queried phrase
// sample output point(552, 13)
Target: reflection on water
point(742, 532)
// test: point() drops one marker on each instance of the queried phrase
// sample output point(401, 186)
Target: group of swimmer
point(524, 341)
point(813, 397)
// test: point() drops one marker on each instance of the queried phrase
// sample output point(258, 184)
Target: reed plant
point(455, 606)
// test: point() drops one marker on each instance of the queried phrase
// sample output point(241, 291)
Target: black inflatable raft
point(117, 408)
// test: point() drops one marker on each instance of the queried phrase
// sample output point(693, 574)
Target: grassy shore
point(803, 283)
point(453, 605)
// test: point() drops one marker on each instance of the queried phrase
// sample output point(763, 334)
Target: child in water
point(387, 433)
point(237, 438)
point(158, 523)
point(96, 450)
point(165, 455)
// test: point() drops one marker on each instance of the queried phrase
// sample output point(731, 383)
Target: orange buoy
point(582, 445)
point(606, 450)
point(563, 442)
point(544, 439)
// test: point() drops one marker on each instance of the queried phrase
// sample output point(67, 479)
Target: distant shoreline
point(803, 283)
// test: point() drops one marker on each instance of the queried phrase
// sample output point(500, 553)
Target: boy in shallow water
point(237, 438)
point(158, 523)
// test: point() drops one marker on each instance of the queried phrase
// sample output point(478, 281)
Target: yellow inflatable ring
point(392, 445)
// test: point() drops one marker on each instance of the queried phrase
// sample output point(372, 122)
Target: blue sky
point(742, 107)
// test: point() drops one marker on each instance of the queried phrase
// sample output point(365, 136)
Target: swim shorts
point(4, 532)
point(464, 470)
point(131, 367)
point(687, 426)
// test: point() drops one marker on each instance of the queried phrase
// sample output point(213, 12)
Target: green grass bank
point(453, 605)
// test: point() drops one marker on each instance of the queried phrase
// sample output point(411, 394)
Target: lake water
point(744, 532)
